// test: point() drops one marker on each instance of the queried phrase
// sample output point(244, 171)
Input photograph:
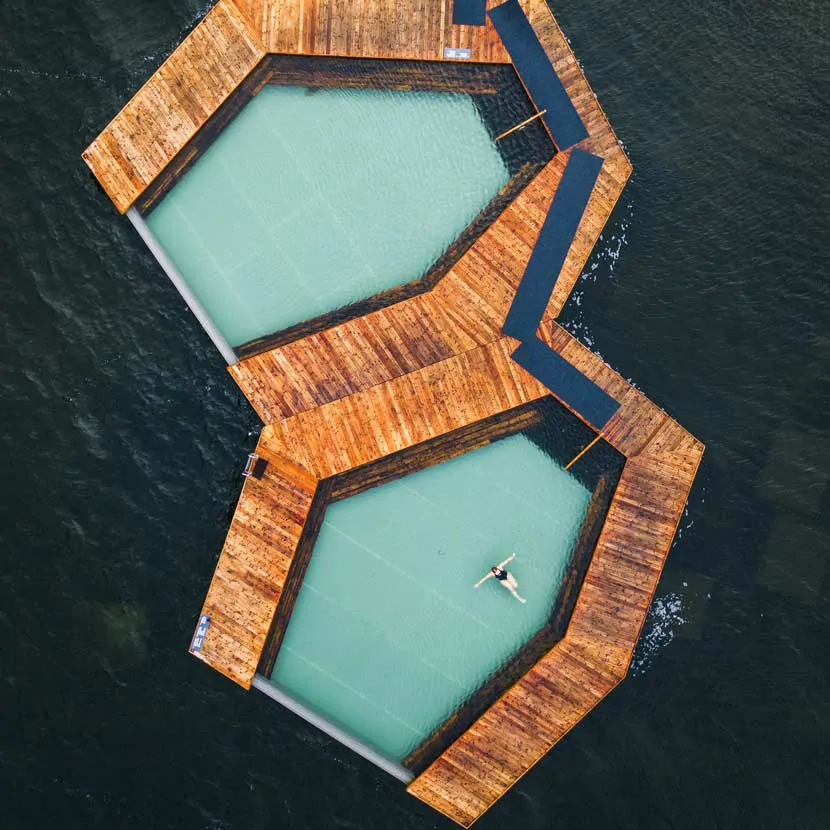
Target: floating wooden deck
point(384, 383)
point(246, 588)
point(417, 30)
point(217, 56)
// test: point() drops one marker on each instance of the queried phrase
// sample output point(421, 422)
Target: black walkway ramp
point(552, 247)
point(537, 74)
point(566, 382)
point(469, 12)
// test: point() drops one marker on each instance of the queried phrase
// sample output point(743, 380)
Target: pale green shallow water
point(311, 200)
point(388, 635)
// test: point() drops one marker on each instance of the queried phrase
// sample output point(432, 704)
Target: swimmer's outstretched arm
point(509, 559)
point(483, 579)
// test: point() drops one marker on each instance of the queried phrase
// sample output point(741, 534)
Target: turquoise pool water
point(312, 199)
point(388, 635)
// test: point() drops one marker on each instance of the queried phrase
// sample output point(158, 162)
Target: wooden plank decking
point(253, 566)
point(415, 371)
point(177, 100)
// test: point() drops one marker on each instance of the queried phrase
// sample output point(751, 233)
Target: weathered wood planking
point(404, 411)
point(414, 372)
point(465, 310)
point(536, 712)
point(416, 30)
point(612, 606)
point(253, 566)
point(177, 100)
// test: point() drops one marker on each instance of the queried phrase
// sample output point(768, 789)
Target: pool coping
point(368, 387)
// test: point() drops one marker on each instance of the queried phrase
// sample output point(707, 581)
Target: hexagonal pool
point(388, 635)
point(312, 199)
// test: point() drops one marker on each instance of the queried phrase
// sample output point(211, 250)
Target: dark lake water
point(121, 440)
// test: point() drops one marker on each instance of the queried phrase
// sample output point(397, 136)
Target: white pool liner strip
point(387, 765)
point(176, 278)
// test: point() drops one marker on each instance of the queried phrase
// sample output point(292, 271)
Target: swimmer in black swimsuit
point(504, 577)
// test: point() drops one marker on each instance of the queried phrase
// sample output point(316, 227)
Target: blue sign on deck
point(201, 632)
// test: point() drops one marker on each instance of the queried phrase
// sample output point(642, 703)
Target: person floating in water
point(501, 575)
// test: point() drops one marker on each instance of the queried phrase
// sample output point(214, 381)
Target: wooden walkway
point(415, 371)
point(247, 584)
point(417, 30)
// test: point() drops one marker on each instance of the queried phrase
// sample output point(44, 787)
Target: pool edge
point(373, 756)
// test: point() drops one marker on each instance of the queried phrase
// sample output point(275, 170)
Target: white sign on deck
point(201, 631)
point(455, 53)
